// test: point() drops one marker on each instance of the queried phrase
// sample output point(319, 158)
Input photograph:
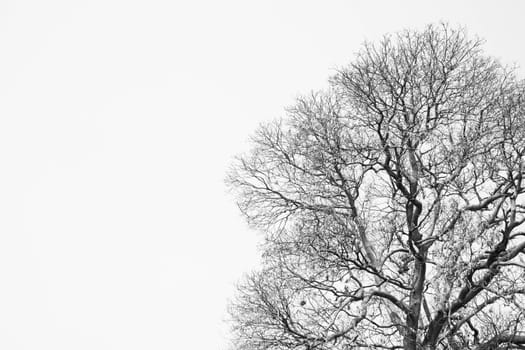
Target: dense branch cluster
point(392, 205)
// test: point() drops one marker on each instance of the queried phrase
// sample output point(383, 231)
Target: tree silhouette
point(392, 205)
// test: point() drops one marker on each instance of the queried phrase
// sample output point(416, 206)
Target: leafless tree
point(392, 205)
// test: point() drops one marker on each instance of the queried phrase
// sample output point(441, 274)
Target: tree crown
point(391, 204)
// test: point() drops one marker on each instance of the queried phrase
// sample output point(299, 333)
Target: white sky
point(118, 120)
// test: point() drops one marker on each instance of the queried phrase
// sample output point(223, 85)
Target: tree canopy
point(392, 205)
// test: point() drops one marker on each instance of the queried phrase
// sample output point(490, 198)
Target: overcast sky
point(118, 120)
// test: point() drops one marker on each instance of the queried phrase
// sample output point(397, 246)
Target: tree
point(392, 205)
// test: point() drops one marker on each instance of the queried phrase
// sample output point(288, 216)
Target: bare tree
point(392, 205)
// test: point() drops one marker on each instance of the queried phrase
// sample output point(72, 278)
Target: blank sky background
point(118, 120)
